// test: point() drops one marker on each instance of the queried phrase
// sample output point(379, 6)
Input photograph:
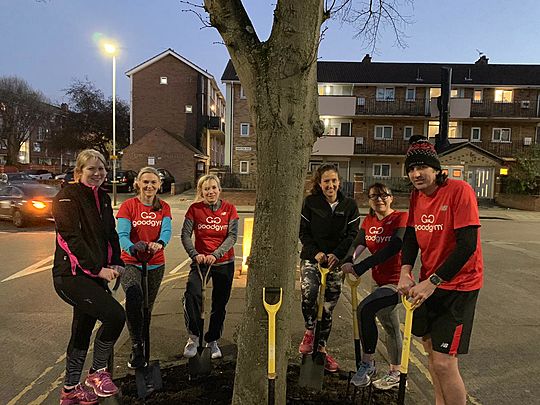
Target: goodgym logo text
point(213, 223)
point(147, 218)
point(374, 235)
point(428, 224)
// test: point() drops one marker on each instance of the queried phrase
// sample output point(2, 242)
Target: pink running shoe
point(101, 383)
point(78, 395)
point(306, 346)
point(331, 365)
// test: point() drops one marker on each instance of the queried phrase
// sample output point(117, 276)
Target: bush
point(524, 176)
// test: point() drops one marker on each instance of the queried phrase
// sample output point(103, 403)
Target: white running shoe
point(388, 381)
point(214, 349)
point(191, 347)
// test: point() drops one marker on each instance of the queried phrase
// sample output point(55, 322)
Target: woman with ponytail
point(144, 223)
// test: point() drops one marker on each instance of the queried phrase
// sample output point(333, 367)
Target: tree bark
point(280, 80)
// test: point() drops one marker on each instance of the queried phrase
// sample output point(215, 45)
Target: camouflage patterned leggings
point(310, 284)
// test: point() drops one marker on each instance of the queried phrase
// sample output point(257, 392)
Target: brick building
point(370, 110)
point(177, 118)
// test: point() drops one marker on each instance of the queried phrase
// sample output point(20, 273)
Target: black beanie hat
point(421, 152)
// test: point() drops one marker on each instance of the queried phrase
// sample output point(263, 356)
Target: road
point(503, 357)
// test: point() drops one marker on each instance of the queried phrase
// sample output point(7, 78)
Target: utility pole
point(443, 102)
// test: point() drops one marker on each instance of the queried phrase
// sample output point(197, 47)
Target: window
point(501, 135)
point(476, 132)
point(383, 132)
point(381, 170)
point(163, 80)
point(244, 129)
point(242, 94)
point(335, 89)
point(478, 95)
point(503, 96)
point(361, 101)
point(36, 147)
point(453, 129)
point(345, 129)
point(434, 92)
point(385, 94)
point(407, 132)
point(455, 93)
point(40, 134)
point(314, 165)
point(410, 94)
point(189, 108)
point(244, 167)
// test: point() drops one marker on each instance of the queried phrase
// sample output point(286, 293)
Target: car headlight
point(38, 204)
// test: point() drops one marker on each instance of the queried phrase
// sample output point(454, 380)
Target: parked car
point(39, 174)
point(19, 177)
point(67, 178)
point(24, 202)
point(63, 174)
point(124, 178)
point(166, 180)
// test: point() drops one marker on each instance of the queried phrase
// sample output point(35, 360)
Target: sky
point(49, 43)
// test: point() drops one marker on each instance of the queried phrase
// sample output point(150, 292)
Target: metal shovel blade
point(148, 379)
point(200, 364)
point(312, 371)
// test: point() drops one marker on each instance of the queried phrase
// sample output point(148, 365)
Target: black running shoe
point(136, 360)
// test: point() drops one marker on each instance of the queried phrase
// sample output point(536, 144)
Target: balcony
point(377, 147)
point(337, 105)
point(459, 108)
point(333, 146)
point(372, 106)
point(521, 109)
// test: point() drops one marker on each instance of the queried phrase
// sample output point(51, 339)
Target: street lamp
point(111, 49)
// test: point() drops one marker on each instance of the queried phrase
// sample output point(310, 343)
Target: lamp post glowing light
point(111, 50)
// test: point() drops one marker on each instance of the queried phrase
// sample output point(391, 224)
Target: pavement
point(168, 332)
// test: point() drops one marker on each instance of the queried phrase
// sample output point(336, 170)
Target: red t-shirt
point(145, 226)
point(211, 227)
point(434, 218)
point(378, 234)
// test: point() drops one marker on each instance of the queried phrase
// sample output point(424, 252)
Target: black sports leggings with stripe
point(90, 302)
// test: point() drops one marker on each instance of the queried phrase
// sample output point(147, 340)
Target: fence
point(238, 181)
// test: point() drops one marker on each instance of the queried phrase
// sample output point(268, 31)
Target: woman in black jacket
point(328, 226)
point(87, 257)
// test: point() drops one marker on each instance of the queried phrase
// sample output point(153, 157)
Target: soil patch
point(218, 388)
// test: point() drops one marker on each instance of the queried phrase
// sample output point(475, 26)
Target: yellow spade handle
point(272, 309)
point(324, 272)
point(353, 283)
point(405, 351)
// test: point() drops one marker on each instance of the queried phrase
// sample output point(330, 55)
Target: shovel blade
point(312, 371)
point(201, 364)
point(148, 379)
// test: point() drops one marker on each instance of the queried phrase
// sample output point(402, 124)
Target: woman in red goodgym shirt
point(382, 233)
point(215, 225)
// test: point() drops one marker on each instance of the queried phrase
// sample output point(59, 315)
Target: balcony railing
point(389, 147)
point(372, 106)
point(519, 109)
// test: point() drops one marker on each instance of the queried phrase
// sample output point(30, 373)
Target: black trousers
point(222, 279)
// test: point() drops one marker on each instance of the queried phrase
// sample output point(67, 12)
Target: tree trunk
point(13, 147)
point(279, 77)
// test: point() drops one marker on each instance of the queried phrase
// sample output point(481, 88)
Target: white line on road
point(177, 268)
point(34, 268)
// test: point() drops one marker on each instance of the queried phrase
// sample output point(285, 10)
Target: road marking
point(177, 268)
point(34, 268)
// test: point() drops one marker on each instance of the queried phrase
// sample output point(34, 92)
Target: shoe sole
point(101, 395)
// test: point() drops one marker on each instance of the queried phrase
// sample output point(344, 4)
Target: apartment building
point(177, 118)
point(371, 109)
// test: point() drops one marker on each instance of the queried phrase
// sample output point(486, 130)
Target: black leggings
point(381, 303)
point(90, 302)
point(222, 279)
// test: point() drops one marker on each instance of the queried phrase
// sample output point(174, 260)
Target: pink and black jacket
point(86, 238)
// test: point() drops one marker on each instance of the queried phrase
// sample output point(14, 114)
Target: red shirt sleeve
point(402, 220)
point(166, 210)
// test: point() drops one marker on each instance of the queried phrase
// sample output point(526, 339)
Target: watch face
point(435, 279)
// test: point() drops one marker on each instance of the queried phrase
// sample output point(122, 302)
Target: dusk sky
point(50, 42)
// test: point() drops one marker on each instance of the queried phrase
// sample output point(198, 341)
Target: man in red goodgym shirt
point(444, 224)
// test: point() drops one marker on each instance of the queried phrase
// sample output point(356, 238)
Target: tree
point(524, 177)
point(88, 124)
point(22, 111)
point(279, 77)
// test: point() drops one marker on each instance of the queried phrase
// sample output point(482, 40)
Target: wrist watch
point(435, 280)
